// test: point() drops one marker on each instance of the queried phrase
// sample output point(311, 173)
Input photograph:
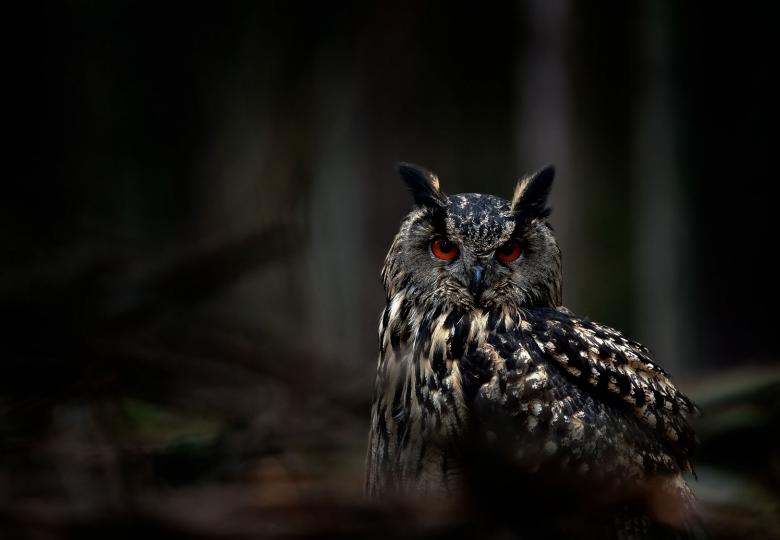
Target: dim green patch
point(151, 425)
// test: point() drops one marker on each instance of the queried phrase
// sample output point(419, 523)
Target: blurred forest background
point(204, 196)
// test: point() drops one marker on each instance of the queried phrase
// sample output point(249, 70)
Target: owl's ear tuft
point(423, 184)
point(530, 197)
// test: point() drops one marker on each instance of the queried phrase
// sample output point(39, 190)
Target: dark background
point(202, 197)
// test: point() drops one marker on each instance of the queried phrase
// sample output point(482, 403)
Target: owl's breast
point(420, 410)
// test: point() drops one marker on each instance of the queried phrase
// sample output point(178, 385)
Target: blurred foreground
point(159, 420)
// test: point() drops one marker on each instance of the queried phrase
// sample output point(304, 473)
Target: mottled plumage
point(480, 363)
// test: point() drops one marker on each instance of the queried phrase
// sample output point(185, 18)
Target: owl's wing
point(584, 422)
point(588, 395)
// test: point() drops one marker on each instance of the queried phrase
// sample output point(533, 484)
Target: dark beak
point(475, 286)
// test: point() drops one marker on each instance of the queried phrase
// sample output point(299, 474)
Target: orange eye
point(444, 249)
point(509, 252)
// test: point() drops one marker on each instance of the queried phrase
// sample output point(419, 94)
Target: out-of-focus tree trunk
point(659, 221)
point(542, 128)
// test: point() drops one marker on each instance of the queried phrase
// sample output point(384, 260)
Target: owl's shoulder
point(576, 371)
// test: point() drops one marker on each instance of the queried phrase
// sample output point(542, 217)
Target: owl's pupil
point(445, 246)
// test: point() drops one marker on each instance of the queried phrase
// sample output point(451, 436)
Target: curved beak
point(475, 284)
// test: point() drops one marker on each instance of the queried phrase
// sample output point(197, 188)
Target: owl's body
point(481, 369)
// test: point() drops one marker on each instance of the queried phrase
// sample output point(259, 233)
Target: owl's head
point(474, 250)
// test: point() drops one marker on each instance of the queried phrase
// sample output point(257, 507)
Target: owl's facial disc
point(468, 270)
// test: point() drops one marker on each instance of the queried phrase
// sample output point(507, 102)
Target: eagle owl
point(486, 385)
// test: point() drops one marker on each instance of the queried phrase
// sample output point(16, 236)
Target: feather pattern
point(556, 375)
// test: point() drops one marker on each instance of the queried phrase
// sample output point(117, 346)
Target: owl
point(489, 390)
